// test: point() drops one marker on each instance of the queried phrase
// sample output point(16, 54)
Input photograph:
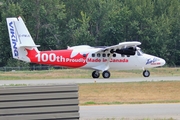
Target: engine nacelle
point(126, 51)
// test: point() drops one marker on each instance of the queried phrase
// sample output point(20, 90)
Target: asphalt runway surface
point(131, 112)
point(101, 80)
point(116, 112)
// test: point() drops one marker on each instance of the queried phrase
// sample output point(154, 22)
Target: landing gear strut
point(95, 74)
point(146, 73)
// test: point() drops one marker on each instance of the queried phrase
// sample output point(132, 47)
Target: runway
point(115, 112)
point(64, 81)
point(131, 112)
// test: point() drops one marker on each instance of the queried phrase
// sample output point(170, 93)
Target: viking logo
point(13, 39)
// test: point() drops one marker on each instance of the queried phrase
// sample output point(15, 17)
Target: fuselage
point(90, 59)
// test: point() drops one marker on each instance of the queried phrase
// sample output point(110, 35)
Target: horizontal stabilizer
point(28, 46)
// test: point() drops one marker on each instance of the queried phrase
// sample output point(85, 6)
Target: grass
point(129, 93)
point(112, 93)
point(79, 73)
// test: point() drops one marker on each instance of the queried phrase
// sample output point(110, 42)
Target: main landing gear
point(146, 73)
point(105, 74)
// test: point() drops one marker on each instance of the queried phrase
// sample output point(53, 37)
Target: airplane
point(123, 56)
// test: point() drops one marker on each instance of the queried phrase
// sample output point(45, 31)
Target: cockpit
point(139, 51)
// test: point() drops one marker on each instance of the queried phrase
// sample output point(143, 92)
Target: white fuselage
point(101, 61)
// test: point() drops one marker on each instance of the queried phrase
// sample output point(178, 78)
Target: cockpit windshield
point(139, 52)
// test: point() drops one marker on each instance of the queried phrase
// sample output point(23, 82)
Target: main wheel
point(95, 74)
point(106, 74)
point(146, 73)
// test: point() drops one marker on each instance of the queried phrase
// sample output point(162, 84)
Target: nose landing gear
point(146, 73)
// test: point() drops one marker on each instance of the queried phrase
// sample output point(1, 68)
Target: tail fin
point(20, 38)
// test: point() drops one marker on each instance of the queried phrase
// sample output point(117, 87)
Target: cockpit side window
point(139, 53)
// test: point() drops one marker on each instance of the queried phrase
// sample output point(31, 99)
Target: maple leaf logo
point(31, 54)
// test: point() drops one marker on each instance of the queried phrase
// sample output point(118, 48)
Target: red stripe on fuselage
point(57, 58)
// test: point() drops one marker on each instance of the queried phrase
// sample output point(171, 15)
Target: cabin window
point(93, 55)
point(114, 55)
point(98, 55)
point(108, 54)
point(104, 55)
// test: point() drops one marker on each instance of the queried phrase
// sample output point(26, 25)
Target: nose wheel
point(146, 73)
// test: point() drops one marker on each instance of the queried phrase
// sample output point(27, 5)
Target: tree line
point(56, 24)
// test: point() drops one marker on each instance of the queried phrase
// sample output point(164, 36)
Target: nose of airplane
point(162, 62)
point(153, 61)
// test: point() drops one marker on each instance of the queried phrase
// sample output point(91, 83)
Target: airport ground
point(130, 88)
point(81, 74)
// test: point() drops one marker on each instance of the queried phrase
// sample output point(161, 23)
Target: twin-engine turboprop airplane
point(123, 56)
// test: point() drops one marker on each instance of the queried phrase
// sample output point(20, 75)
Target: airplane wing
point(121, 45)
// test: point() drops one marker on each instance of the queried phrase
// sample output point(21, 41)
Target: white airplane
point(123, 56)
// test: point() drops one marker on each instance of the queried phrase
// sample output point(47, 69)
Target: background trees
point(54, 24)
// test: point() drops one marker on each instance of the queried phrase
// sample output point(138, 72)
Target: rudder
point(23, 34)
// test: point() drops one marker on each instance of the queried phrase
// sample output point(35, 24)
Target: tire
point(95, 74)
point(146, 73)
point(106, 74)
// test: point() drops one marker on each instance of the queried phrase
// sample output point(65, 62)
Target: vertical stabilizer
point(20, 38)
